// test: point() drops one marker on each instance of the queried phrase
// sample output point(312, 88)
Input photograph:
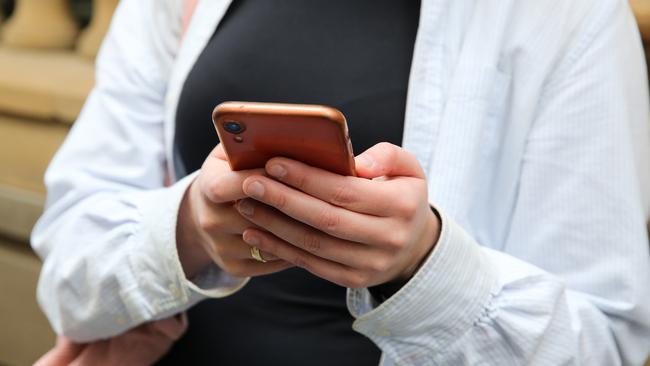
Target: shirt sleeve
point(570, 286)
point(108, 233)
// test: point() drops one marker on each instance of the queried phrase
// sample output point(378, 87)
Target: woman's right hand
point(209, 228)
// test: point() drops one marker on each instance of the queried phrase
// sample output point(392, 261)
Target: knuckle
point(311, 242)
point(280, 201)
point(408, 207)
point(216, 192)
point(388, 150)
point(389, 153)
point(378, 265)
point(397, 240)
point(302, 181)
point(385, 145)
point(328, 220)
point(300, 261)
point(343, 196)
point(209, 223)
point(266, 245)
point(357, 280)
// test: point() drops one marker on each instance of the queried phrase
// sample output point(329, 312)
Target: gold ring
point(257, 255)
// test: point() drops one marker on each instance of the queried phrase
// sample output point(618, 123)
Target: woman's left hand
point(142, 345)
point(354, 231)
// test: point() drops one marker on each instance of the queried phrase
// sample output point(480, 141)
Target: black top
point(352, 55)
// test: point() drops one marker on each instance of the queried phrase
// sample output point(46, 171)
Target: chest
point(467, 110)
point(352, 56)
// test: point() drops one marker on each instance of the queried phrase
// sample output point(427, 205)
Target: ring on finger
point(257, 255)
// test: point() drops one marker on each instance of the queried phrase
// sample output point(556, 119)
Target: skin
point(142, 345)
point(354, 231)
point(210, 228)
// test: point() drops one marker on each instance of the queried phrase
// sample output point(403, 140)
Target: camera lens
point(234, 127)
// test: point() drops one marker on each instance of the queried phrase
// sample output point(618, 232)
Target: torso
point(354, 56)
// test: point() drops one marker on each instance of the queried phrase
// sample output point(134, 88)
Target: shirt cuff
point(158, 267)
point(447, 295)
point(214, 282)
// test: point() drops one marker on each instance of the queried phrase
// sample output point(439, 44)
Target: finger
point(331, 271)
point(218, 219)
point(219, 153)
point(307, 238)
point(253, 268)
point(219, 184)
point(316, 213)
point(232, 247)
point(266, 257)
point(63, 353)
point(353, 193)
point(385, 159)
point(171, 328)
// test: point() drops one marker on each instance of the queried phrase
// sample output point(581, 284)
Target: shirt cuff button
point(120, 320)
point(173, 289)
point(383, 332)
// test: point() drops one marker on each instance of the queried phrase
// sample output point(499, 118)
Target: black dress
point(352, 55)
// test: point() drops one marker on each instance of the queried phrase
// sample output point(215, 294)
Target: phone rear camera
point(234, 127)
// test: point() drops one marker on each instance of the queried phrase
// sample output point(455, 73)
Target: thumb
point(385, 159)
point(219, 153)
point(172, 328)
point(63, 353)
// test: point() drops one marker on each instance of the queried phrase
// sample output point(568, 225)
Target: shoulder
point(162, 14)
point(567, 15)
point(534, 39)
point(534, 30)
point(562, 26)
point(143, 40)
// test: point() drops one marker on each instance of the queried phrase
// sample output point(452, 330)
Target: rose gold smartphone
point(253, 133)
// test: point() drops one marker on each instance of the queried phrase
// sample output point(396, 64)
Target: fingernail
point(277, 170)
point(255, 189)
point(365, 161)
point(251, 239)
point(246, 207)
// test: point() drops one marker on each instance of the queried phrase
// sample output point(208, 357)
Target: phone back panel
point(315, 135)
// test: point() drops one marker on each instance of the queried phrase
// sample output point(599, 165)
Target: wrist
point(425, 246)
point(384, 291)
point(191, 253)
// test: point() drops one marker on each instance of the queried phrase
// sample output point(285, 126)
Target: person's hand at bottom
point(143, 345)
point(354, 231)
point(209, 230)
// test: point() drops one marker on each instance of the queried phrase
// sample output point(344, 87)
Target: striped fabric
point(531, 120)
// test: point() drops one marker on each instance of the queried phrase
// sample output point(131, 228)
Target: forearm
point(470, 304)
point(383, 292)
point(191, 254)
point(110, 262)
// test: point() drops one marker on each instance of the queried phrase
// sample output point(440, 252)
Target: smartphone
point(252, 133)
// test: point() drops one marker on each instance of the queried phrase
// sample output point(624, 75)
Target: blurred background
point(47, 51)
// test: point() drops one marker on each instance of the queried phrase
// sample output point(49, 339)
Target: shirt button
point(173, 289)
point(120, 320)
point(383, 332)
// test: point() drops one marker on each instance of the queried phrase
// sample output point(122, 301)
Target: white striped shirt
point(531, 120)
